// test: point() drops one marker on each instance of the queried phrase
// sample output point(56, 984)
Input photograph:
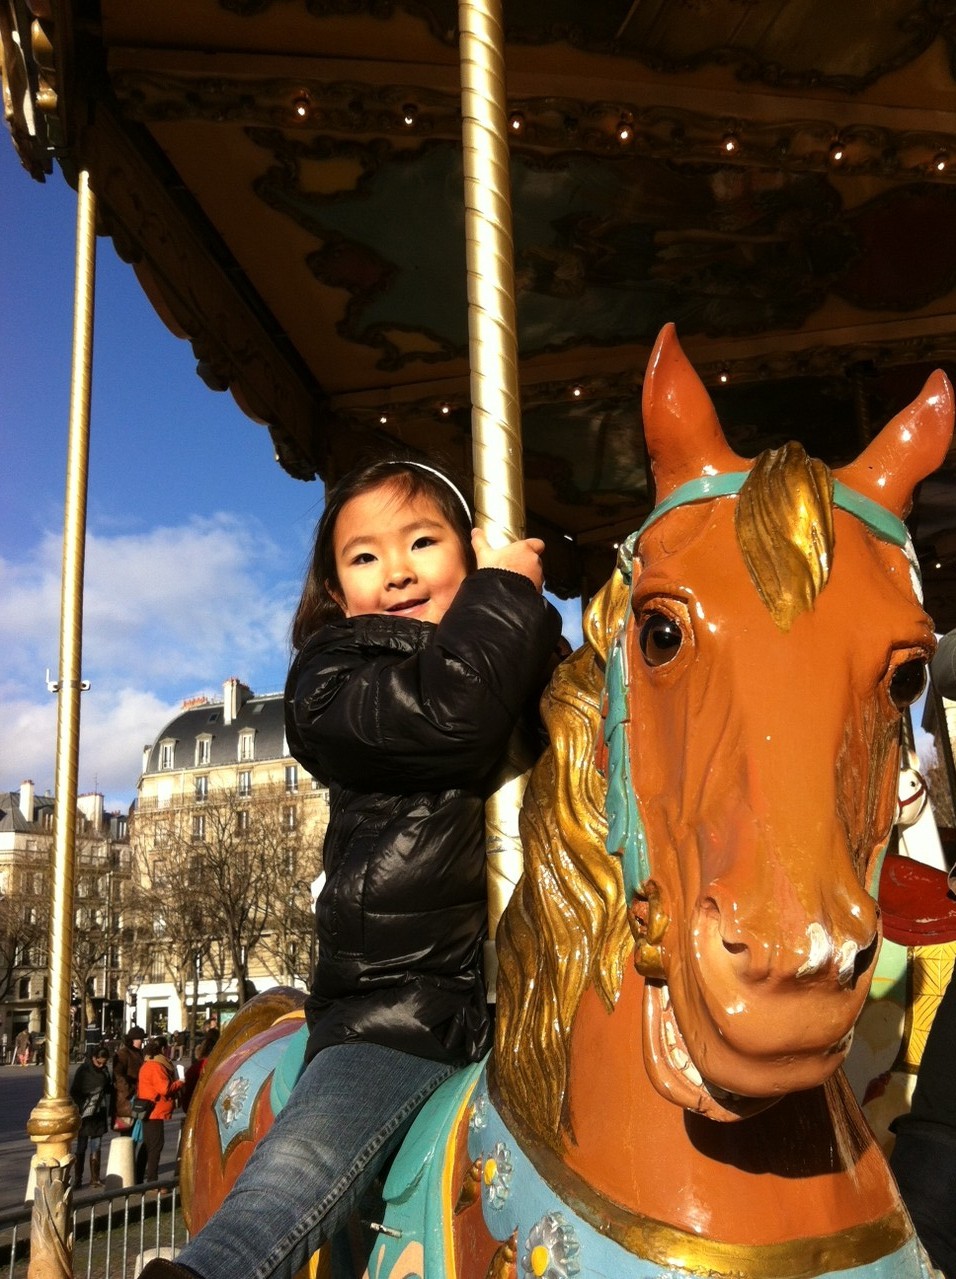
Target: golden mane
point(566, 925)
point(552, 944)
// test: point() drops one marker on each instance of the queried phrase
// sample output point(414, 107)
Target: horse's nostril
point(734, 947)
point(864, 958)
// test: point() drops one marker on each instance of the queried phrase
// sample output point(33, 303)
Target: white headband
point(422, 466)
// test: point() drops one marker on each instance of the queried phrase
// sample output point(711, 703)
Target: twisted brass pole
point(54, 1121)
point(493, 351)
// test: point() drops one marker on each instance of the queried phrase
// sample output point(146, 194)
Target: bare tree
point(98, 895)
point(23, 930)
point(220, 881)
point(167, 917)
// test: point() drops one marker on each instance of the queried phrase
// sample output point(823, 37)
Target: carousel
point(469, 233)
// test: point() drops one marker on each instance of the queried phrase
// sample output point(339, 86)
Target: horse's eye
point(661, 639)
point(907, 683)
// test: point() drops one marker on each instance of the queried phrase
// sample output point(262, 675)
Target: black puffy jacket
point(407, 722)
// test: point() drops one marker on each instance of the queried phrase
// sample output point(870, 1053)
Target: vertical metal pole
point(493, 347)
point(54, 1121)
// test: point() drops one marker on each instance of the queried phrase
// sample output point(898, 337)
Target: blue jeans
point(347, 1113)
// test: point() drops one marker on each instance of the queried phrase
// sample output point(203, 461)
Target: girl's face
point(397, 555)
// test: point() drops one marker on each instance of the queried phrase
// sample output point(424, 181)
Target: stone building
point(102, 862)
point(227, 837)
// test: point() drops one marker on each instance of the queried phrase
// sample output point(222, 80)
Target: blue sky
point(197, 539)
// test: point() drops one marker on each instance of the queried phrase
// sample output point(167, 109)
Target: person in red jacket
point(159, 1084)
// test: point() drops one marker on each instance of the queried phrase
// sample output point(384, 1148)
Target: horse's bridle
point(626, 837)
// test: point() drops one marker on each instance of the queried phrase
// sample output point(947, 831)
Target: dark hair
point(210, 1039)
point(317, 604)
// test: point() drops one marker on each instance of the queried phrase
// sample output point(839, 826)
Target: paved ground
point(21, 1087)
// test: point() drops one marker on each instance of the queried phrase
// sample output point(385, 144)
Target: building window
point(242, 820)
point(289, 817)
point(167, 754)
point(203, 750)
point(202, 789)
point(199, 827)
point(23, 991)
point(245, 783)
point(247, 744)
point(291, 778)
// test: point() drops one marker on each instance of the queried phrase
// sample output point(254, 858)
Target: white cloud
point(167, 613)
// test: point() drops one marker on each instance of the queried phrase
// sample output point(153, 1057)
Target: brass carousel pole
point(54, 1121)
point(493, 347)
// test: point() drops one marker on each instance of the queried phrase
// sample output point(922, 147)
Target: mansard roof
point(263, 714)
point(11, 818)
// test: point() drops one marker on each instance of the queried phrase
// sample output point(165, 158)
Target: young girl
point(419, 647)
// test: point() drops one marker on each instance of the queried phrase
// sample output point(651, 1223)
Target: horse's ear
point(683, 436)
point(909, 448)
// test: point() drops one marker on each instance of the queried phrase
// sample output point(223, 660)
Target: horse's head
point(774, 637)
point(757, 664)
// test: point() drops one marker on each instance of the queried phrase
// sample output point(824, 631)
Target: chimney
point(91, 806)
point(147, 751)
point(235, 694)
point(230, 700)
point(27, 810)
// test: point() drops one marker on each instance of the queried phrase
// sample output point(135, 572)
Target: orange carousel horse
point(695, 933)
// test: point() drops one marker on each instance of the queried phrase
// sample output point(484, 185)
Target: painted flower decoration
point(479, 1113)
point(496, 1174)
point(232, 1100)
point(552, 1249)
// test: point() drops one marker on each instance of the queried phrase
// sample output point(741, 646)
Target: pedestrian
point(92, 1092)
point(412, 671)
point(198, 1065)
point(23, 1047)
point(127, 1061)
point(157, 1084)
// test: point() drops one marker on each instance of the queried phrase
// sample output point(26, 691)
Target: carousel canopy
point(284, 176)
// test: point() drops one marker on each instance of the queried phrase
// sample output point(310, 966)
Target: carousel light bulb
point(730, 144)
point(723, 377)
point(300, 105)
point(409, 114)
point(625, 129)
point(941, 161)
point(444, 408)
point(837, 152)
point(577, 391)
point(383, 419)
point(516, 122)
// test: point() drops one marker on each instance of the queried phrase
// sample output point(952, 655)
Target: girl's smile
point(396, 555)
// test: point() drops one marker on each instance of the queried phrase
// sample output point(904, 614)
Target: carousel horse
point(695, 933)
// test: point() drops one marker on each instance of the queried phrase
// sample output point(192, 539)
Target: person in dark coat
point(127, 1061)
point(197, 1066)
point(92, 1093)
point(413, 670)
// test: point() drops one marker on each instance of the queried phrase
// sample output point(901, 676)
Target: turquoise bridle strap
point(877, 518)
point(626, 837)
